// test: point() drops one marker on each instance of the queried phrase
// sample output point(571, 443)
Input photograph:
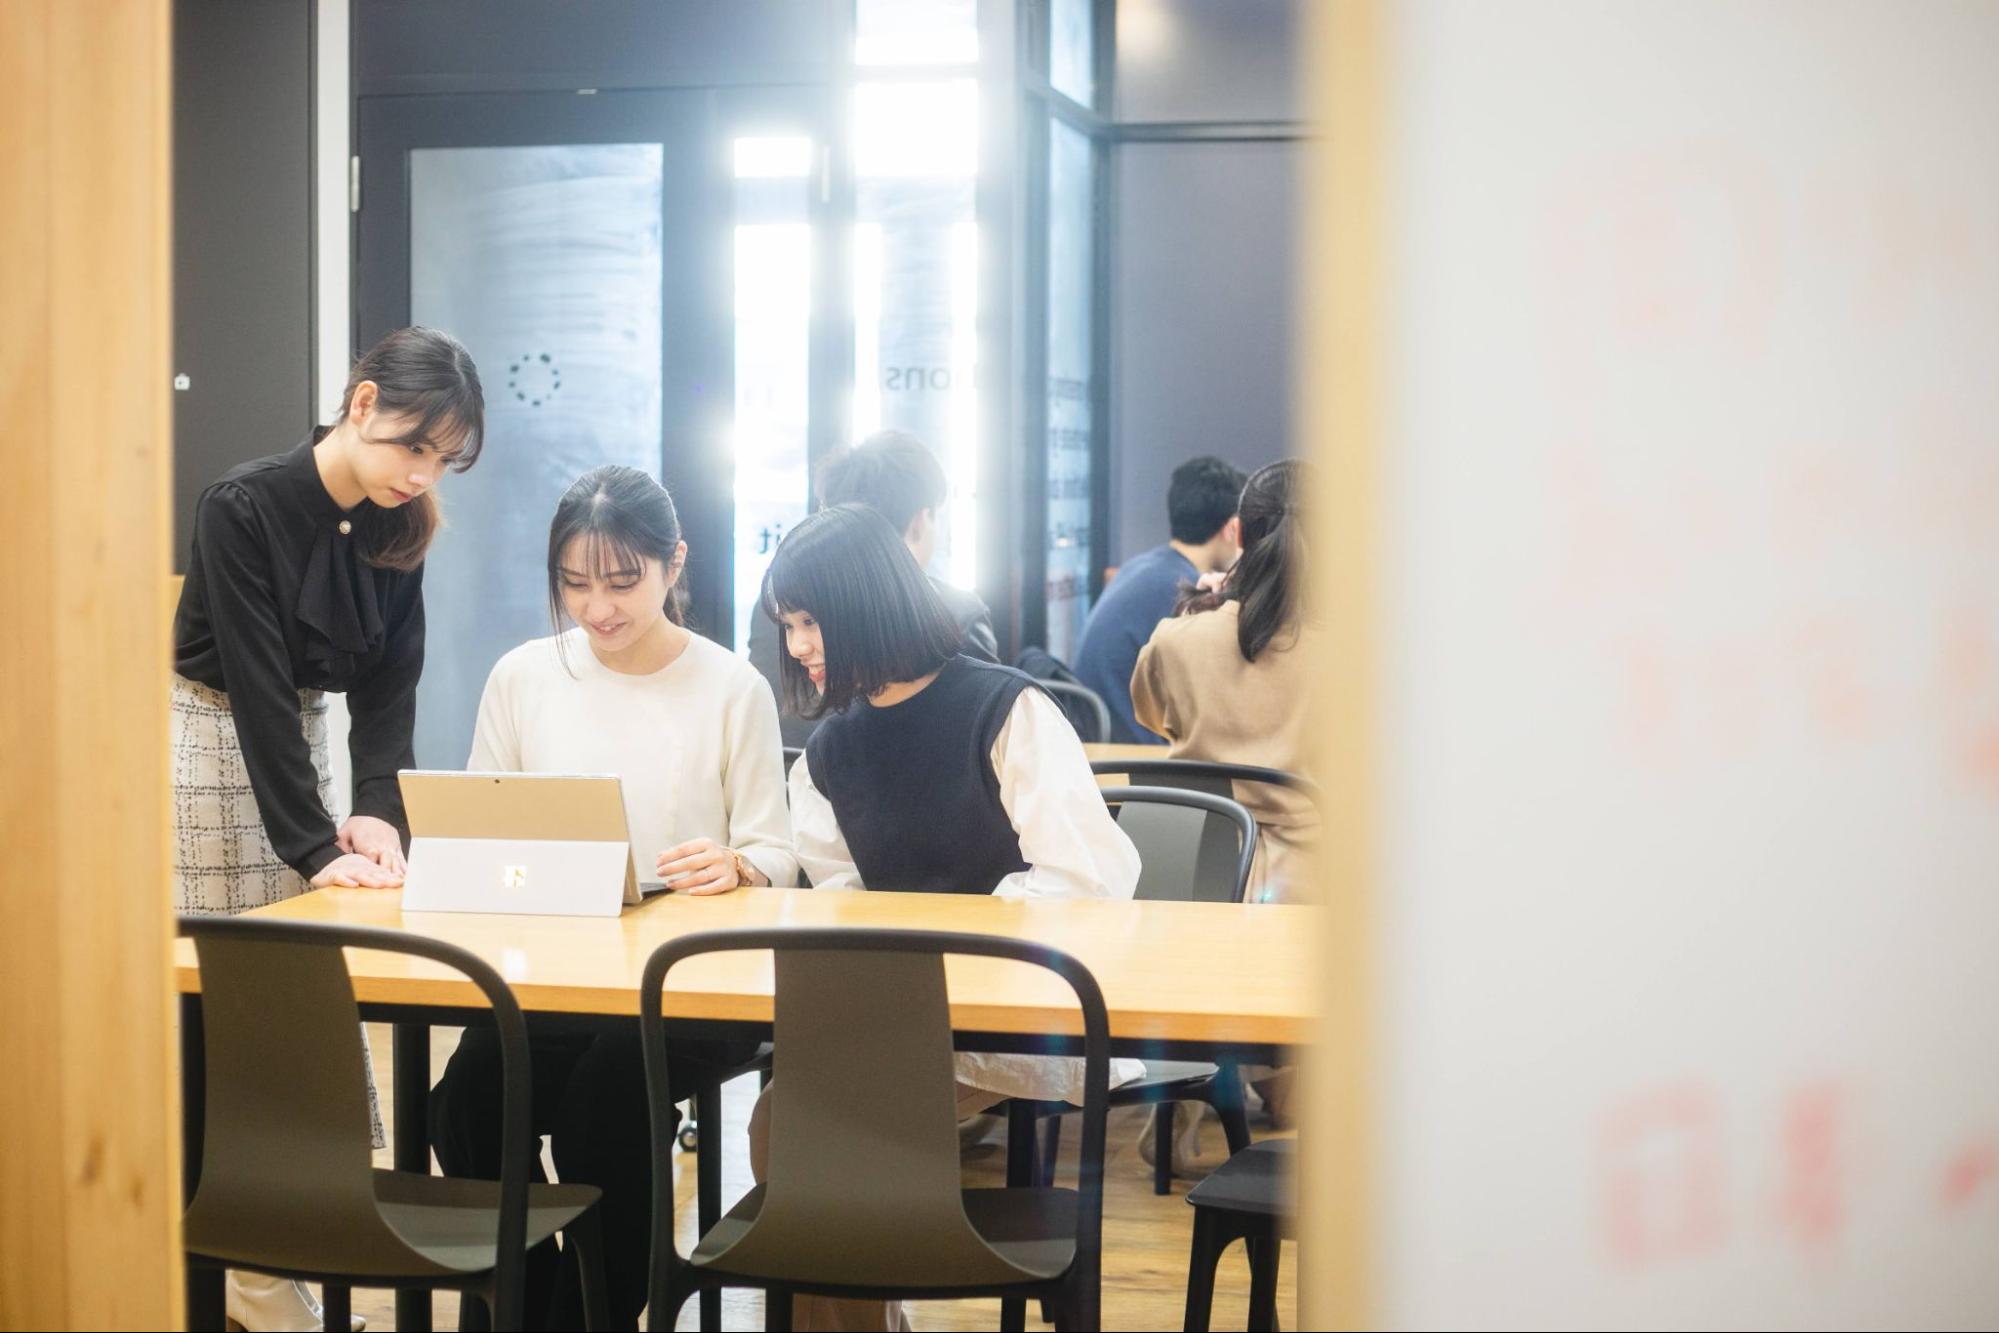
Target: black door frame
point(697, 371)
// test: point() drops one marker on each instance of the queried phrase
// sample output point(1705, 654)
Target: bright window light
point(917, 129)
point(916, 32)
point(777, 157)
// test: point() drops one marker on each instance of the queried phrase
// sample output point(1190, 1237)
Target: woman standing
point(307, 576)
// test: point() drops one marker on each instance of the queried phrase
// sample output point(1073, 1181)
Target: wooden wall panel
point(89, 1186)
point(1340, 404)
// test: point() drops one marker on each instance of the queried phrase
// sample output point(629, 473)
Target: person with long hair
point(306, 578)
point(1224, 679)
point(690, 729)
point(930, 772)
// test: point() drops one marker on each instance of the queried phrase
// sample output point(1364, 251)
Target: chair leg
point(1164, 1122)
point(1060, 1310)
point(475, 1311)
point(708, 1186)
point(1086, 1302)
point(1051, 1143)
point(663, 1308)
point(1207, 1251)
point(337, 1300)
point(206, 1300)
point(1226, 1096)
point(777, 1309)
point(1013, 1314)
point(1020, 1143)
point(586, 1233)
point(1263, 1253)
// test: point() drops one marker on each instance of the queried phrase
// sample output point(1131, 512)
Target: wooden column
point(89, 1181)
point(1340, 408)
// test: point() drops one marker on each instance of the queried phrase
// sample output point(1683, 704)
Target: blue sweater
point(1142, 595)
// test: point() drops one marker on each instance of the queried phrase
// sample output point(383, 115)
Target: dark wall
point(443, 46)
point(1202, 351)
point(1204, 252)
point(242, 238)
point(1202, 60)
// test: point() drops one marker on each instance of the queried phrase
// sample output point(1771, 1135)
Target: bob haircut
point(880, 619)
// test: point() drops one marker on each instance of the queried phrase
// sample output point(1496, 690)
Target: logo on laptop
point(514, 877)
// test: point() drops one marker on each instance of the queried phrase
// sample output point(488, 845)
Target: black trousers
point(590, 1101)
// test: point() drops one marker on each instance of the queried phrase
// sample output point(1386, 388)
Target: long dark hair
point(428, 375)
point(880, 619)
point(1266, 579)
point(626, 517)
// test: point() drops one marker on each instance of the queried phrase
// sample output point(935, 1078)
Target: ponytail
point(1265, 580)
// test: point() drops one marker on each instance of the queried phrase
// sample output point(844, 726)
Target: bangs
point(787, 587)
point(443, 423)
point(607, 551)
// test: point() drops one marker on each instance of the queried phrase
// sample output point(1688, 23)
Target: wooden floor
point(1145, 1235)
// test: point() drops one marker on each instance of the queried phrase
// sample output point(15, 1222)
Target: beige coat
point(1193, 687)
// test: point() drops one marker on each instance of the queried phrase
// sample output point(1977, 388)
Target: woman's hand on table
point(703, 866)
point(376, 839)
point(354, 871)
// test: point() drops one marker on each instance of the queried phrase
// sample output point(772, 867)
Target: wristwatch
point(742, 867)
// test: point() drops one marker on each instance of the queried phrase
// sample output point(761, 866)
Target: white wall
point(1690, 1013)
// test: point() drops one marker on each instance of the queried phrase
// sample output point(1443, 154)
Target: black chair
point(1085, 707)
point(1249, 1198)
point(284, 1183)
point(707, 1100)
point(1179, 835)
point(1203, 775)
point(792, 754)
point(863, 1197)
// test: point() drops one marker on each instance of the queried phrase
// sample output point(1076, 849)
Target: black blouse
point(278, 599)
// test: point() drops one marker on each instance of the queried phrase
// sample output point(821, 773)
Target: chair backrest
point(1203, 775)
point(792, 754)
point(1193, 846)
point(1085, 707)
point(863, 1186)
point(286, 1174)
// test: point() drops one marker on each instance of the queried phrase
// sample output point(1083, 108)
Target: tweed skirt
point(223, 860)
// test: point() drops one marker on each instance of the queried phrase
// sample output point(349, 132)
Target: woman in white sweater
point(691, 731)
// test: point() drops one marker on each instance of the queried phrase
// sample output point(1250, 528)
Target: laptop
point(542, 844)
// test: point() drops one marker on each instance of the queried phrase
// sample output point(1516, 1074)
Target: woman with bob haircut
point(690, 729)
point(932, 772)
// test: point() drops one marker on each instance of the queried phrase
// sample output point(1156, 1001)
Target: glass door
point(635, 274)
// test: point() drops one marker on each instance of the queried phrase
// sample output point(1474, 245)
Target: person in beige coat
point(1226, 679)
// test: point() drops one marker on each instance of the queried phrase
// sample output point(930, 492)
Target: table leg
point(412, 1144)
point(205, 1309)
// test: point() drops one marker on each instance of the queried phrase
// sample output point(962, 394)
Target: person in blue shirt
point(1201, 510)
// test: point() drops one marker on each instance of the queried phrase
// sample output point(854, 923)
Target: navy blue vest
point(913, 785)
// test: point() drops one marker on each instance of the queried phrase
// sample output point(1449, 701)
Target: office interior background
point(1645, 354)
point(1058, 242)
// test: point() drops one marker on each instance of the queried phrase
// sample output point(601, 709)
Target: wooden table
point(1180, 980)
